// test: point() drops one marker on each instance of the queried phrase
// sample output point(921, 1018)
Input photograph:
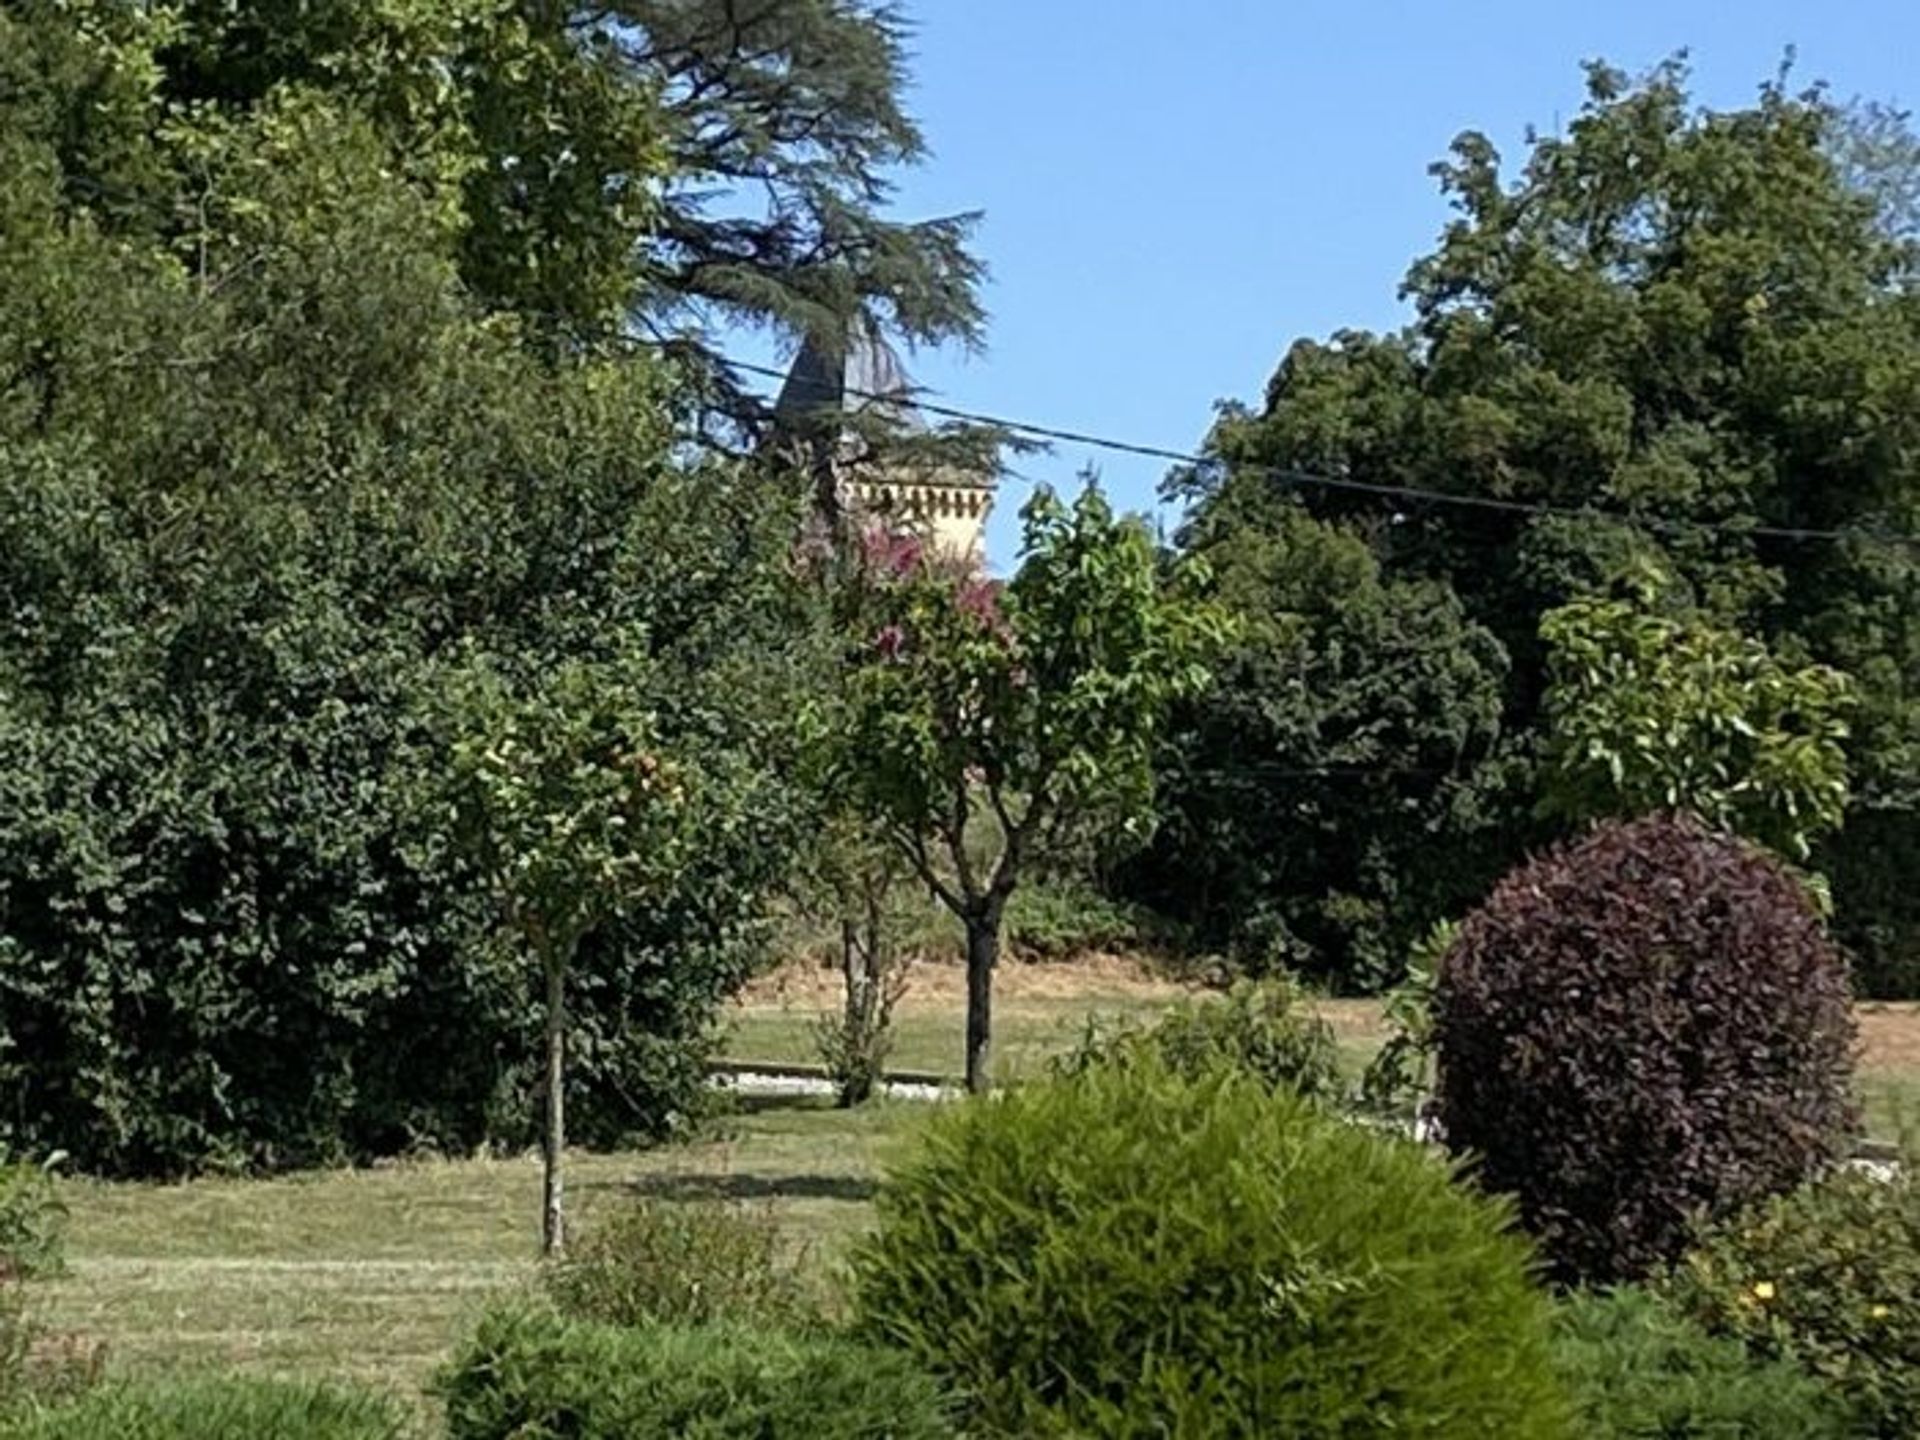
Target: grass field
point(1041, 1010)
point(374, 1274)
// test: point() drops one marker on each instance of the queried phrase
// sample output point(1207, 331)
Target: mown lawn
point(374, 1274)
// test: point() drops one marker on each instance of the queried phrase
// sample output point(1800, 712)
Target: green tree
point(1651, 711)
point(993, 728)
point(559, 792)
point(1673, 335)
point(650, 161)
point(1334, 787)
point(263, 468)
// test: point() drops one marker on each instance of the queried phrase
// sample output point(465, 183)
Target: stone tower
point(838, 399)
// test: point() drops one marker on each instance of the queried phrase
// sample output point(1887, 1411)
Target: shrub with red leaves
point(1639, 1029)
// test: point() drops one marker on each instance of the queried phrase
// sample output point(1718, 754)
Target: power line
point(1407, 494)
point(1287, 475)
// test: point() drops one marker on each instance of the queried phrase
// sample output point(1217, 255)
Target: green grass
point(933, 1041)
point(1028, 1032)
point(1890, 1103)
point(373, 1274)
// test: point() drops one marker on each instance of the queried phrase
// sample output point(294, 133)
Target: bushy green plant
point(526, 1373)
point(1263, 1028)
point(1649, 707)
point(1825, 1277)
point(1058, 918)
point(1636, 1029)
point(1398, 1077)
point(32, 1217)
point(213, 1408)
point(853, 1044)
point(651, 1262)
point(1637, 1370)
point(1129, 1251)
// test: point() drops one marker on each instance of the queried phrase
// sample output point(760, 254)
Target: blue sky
point(1173, 193)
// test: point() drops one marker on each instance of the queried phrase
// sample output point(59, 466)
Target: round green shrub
point(1637, 1370)
point(1638, 1028)
point(1132, 1252)
point(528, 1373)
point(1263, 1027)
point(1827, 1277)
point(650, 1262)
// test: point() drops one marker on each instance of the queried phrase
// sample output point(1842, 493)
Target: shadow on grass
point(851, 1188)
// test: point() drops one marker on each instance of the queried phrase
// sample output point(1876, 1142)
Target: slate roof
point(845, 379)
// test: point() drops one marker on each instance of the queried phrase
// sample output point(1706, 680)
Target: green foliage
point(16, 1341)
point(1051, 690)
point(1027, 715)
point(854, 1044)
point(1649, 711)
point(34, 1366)
point(1128, 1252)
point(1825, 1278)
point(653, 1262)
point(558, 795)
point(1062, 918)
point(1878, 152)
point(528, 1374)
point(32, 1218)
point(267, 476)
point(855, 885)
point(1262, 1029)
point(1400, 1075)
point(1869, 868)
point(1661, 319)
point(1640, 1029)
point(680, 161)
point(561, 793)
point(1328, 797)
point(224, 1408)
point(1639, 1371)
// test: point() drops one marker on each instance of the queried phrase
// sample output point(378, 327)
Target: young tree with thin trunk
point(993, 728)
point(560, 797)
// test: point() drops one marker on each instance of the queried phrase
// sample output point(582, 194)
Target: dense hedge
point(1130, 1252)
point(528, 1373)
point(1638, 1028)
point(232, 568)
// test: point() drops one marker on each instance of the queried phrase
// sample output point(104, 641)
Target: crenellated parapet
point(849, 390)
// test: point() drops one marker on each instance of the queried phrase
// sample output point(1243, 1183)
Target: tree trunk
point(553, 1228)
point(983, 950)
point(856, 967)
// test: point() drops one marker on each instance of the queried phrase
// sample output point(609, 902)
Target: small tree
point(857, 880)
point(1653, 710)
point(991, 727)
point(559, 796)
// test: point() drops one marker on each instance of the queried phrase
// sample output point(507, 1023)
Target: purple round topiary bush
point(1639, 1029)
